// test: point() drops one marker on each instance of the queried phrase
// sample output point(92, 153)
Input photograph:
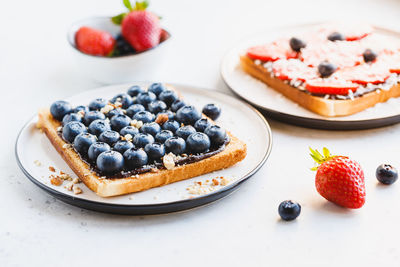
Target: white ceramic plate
point(278, 106)
point(241, 119)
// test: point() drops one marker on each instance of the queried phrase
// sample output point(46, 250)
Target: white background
point(242, 230)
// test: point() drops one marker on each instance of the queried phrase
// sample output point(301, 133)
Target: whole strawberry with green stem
point(339, 179)
point(140, 27)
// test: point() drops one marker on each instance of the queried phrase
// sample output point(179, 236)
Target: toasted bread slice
point(234, 152)
point(319, 105)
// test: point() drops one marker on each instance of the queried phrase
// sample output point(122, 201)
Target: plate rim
point(318, 123)
point(194, 202)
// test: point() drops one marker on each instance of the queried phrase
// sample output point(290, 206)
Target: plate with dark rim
point(276, 106)
point(35, 155)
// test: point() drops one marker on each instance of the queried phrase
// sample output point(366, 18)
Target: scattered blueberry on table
point(386, 174)
point(289, 210)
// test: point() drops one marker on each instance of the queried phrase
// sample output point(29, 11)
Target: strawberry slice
point(293, 69)
point(330, 86)
point(279, 49)
point(366, 73)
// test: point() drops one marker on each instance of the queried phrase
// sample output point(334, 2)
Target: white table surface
point(243, 229)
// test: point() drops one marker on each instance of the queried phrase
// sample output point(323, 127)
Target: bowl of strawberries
point(123, 48)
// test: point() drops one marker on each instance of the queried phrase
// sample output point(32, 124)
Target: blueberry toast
point(138, 140)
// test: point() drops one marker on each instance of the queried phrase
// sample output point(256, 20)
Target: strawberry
point(330, 86)
point(141, 28)
point(293, 69)
point(94, 42)
point(339, 179)
point(279, 49)
point(366, 73)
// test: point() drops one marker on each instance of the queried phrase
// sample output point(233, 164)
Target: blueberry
point(110, 137)
point(96, 149)
point(122, 47)
point(129, 130)
point(336, 36)
point(72, 117)
point(177, 105)
point(93, 115)
point(97, 104)
point(144, 116)
point(289, 210)
point(157, 106)
point(188, 115)
point(171, 125)
point(145, 98)
point(135, 90)
point(96, 127)
point(216, 134)
point(135, 108)
point(142, 139)
point(169, 113)
point(119, 121)
point(59, 109)
point(176, 145)
point(162, 136)
point(168, 97)
point(114, 112)
point(81, 108)
point(369, 55)
point(72, 129)
point(202, 124)
point(156, 88)
point(135, 158)
point(110, 162)
point(83, 141)
point(198, 143)
point(296, 44)
point(152, 128)
point(154, 151)
point(122, 146)
point(386, 174)
point(124, 99)
point(212, 111)
point(185, 131)
point(326, 69)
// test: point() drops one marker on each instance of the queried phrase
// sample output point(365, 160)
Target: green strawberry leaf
point(319, 158)
point(118, 18)
point(141, 5)
point(326, 152)
point(128, 4)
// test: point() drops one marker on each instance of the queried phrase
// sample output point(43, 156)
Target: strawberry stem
point(320, 158)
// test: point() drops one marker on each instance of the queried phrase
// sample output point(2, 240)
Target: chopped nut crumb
point(128, 137)
point(81, 112)
point(106, 109)
point(224, 181)
point(37, 163)
point(161, 118)
point(136, 123)
point(215, 182)
point(76, 180)
point(69, 186)
point(76, 189)
point(55, 180)
point(168, 161)
point(59, 128)
point(67, 146)
point(52, 169)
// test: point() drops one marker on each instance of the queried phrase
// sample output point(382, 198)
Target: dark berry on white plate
point(175, 106)
point(154, 151)
point(83, 141)
point(72, 117)
point(198, 143)
point(97, 104)
point(142, 139)
point(188, 115)
point(135, 158)
point(144, 116)
point(81, 108)
point(72, 129)
point(124, 99)
point(96, 127)
point(326, 69)
point(202, 124)
point(110, 162)
point(168, 97)
point(171, 125)
point(59, 109)
point(110, 137)
point(135, 108)
point(386, 174)
point(135, 90)
point(289, 210)
point(296, 44)
point(93, 115)
point(336, 36)
point(169, 113)
point(369, 55)
point(216, 134)
point(129, 130)
point(157, 88)
point(176, 145)
point(122, 145)
point(114, 112)
point(152, 128)
point(212, 111)
point(185, 131)
point(156, 106)
point(119, 121)
point(163, 136)
point(145, 98)
point(96, 149)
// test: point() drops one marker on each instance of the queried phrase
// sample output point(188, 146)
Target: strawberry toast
point(332, 70)
point(139, 140)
